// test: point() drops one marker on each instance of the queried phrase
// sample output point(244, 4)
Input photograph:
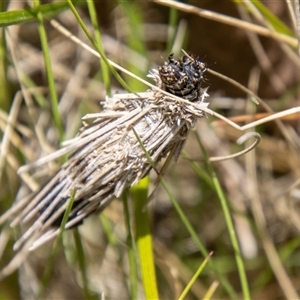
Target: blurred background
point(261, 187)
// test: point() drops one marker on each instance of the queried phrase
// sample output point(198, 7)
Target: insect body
point(107, 156)
point(183, 78)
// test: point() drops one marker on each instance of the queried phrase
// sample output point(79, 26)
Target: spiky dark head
point(183, 77)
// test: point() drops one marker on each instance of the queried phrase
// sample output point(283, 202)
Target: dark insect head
point(183, 77)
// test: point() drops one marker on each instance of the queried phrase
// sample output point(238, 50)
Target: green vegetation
point(210, 230)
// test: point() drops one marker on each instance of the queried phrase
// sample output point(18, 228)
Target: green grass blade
point(273, 20)
point(82, 264)
point(194, 278)
point(144, 238)
point(201, 172)
point(5, 88)
point(98, 41)
point(173, 22)
point(230, 226)
point(38, 96)
point(55, 249)
point(135, 40)
point(102, 54)
point(211, 291)
point(49, 72)
point(199, 244)
point(189, 227)
point(133, 268)
point(108, 230)
point(9, 18)
point(233, 237)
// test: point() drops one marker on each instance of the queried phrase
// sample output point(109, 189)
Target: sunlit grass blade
point(143, 233)
point(211, 291)
point(194, 278)
point(143, 238)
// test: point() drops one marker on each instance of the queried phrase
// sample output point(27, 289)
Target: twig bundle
point(112, 150)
